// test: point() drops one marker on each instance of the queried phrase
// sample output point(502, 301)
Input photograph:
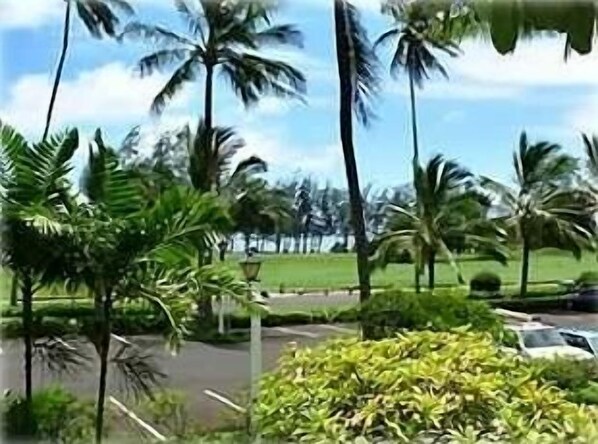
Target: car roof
point(580, 332)
point(526, 326)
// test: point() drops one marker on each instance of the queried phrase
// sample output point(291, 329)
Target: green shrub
point(393, 311)
point(579, 378)
point(420, 387)
point(587, 279)
point(485, 284)
point(167, 410)
point(58, 416)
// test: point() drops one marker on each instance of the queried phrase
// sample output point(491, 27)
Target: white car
point(584, 339)
point(536, 340)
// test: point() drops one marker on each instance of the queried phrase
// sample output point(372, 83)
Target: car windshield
point(543, 337)
point(594, 343)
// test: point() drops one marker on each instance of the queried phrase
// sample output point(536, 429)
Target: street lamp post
point(251, 268)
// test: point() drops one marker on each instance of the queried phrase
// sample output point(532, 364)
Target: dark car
point(586, 300)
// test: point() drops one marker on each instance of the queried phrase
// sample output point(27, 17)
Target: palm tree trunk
point(278, 241)
point(204, 310)
point(414, 126)
point(61, 60)
point(418, 288)
point(104, 349)
point(343, 53)
point(431, 270)
point(524, 267)
point(14, 290)
point(305, 238)
point(27, 297)
point(247, 241)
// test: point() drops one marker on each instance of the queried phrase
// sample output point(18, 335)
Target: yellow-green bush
point(450, 386)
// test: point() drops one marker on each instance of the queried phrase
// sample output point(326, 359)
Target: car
point(584, 339)
point(586, 300)
point(537, 340)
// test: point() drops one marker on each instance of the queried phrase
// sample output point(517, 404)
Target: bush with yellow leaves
point(420, 387)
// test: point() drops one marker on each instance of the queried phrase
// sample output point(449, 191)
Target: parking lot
point(198, 367)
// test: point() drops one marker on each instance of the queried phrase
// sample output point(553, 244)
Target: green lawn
point(320, 271)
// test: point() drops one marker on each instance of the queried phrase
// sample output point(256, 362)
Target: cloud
point(35, 13)
point(583, 117)
point(109, 94)
point(285, 158)
point(480, 73)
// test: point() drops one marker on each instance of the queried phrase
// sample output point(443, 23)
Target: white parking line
point(292, 331)
point(227, 402)
point(338, 329)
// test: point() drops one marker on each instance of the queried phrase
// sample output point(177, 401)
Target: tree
point(121, 248)
point(358, 81)
point(544, 208)
point(510, 20)
point(224, 36)
point(33, 182)
point(425, 227)
point(591, 147)
point(417, 36)
point(99, 18)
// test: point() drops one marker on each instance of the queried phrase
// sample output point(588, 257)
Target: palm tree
point(121, 248)
point(544, 208)
point(425, 226)
point(417, 37)
point(33, 180)
point(358, 81)
point(224, 36)
point(100, 18)
point(591, 147)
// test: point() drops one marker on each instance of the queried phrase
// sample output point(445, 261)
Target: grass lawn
point(335, 271)
point(320, 271)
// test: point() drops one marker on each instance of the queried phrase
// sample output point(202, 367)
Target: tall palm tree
point(591, 147)
point(425, 227)
point(417, 36)
point(544, 208)
point(100, 18)
point(33, 180)
point(226, 37)
point(358, 81)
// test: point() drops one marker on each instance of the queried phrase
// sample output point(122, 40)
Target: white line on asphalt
point(337, 329)
point(227, 402)
point(292, 331)
point(144, 425)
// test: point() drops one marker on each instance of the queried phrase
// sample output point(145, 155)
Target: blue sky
point(475, 117)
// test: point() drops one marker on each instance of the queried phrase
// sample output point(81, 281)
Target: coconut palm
point(33, 179)
point(417, 37)
point(358, 82)
point(544, 208)
point(223, 37)
point(100, 18)
point(425, 226)
point(591, 147)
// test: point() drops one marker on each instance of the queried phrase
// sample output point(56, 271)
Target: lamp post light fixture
point(251, 269)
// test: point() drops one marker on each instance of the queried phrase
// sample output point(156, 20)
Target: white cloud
point(109, 94)
point(481, 73)
point(35, 13)
point(28, 13)
point(283, 157)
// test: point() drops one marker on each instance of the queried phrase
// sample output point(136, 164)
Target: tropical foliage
point(449, 387)
point(544, 208)
point(446, 207)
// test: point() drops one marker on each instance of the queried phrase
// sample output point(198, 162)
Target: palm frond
point(157, 35)
point(363, 63)
point(100, 16)
point(591, 146)
point(186, 72)
point(252, 76)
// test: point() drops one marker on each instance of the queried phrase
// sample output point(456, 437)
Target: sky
point(474, 117)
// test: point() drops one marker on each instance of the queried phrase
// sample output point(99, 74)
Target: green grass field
point(320, 271)
point(335, 271)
